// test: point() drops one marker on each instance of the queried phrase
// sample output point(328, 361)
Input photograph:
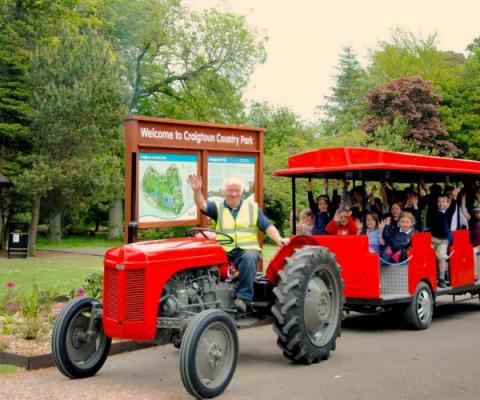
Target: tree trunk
point(115, 216)
point(3, 229)
point(4, 234)
point(55, 227)
point(32, 231)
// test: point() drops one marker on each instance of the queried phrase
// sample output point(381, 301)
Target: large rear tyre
point(76, 352)
point(208, 354)
point(308, 305)
point(418, 314)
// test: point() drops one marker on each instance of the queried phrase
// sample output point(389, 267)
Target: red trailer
point(412, 285)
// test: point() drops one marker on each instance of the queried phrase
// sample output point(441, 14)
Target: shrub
point(30, 303)
point(7, 324)
point(30, 328)
point(92, 287)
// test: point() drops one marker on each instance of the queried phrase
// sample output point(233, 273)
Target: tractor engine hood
point(186, 252)
point(135, 275)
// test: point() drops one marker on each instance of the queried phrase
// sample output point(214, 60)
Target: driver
point(241, 220)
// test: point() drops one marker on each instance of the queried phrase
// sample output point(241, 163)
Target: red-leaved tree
point(412, 100)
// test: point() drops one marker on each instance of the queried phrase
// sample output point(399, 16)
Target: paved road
point(376, 358)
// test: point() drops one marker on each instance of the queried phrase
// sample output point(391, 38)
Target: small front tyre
point(208, 354)
point(78, 353)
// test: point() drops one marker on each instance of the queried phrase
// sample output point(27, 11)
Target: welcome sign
point(161, 153)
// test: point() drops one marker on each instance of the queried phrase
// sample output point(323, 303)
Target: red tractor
point(171, 291)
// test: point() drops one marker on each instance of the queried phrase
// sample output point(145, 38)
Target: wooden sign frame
point(159, 139)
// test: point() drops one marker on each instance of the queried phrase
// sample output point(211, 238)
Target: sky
point(306, 37)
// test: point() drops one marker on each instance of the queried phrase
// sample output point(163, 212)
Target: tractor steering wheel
point(225, 240)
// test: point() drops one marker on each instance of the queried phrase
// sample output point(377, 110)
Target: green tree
point(413, 100)
point(281, 124)
point(180, 63)
point(344, 109)
point(462, 110)
point(23, 25)
point(285, 135)
point(14, 129)
point(391, 136)
point(407, 54)
point(77, 101)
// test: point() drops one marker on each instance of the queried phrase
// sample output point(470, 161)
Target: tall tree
point(281, 124)
point(413, 100)
point(461, 111)
point(344, 109)
point(180, 62)
point(77, 101)
point(14, 106)
point(407, 54)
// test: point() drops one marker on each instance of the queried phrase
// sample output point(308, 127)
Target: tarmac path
point(376, 358)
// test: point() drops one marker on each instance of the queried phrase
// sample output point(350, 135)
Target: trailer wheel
point(308, 305)
point(208, 354)
point(418, 314)
point(77, 353)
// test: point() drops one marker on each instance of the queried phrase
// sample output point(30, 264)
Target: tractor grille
point(111, 293)
point(134, 294)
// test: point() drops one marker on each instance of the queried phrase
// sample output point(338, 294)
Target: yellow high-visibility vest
point(243, 229)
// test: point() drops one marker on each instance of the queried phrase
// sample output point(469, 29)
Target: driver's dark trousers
point(246, 261)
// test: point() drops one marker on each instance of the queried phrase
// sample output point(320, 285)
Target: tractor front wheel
point(208, 354)
point(79, 345)
point(308, 305)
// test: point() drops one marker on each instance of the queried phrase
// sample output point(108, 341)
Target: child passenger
point(373, 229)
point(397, 249)
point(322, 208)
point(392, 223)
point(305, 226)
point(441, 231)
point(342, 223)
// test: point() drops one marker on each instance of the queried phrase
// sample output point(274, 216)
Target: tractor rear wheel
point(208, 354)
point(308, 306)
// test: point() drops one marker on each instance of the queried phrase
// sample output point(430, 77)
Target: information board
point(222, 167)
point(164, 194)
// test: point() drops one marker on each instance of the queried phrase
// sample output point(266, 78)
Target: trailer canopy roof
point(375, 165)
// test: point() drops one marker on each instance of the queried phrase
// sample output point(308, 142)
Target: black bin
point(18, 240)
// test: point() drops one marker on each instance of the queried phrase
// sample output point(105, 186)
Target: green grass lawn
point(99, 240)
point(56, 272)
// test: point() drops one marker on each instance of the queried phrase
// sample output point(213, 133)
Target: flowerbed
point(12, 338)
point(27, 318)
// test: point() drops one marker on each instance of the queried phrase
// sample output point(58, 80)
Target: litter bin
point(18, 240)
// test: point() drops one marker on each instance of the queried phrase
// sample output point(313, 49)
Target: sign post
point(161, 153)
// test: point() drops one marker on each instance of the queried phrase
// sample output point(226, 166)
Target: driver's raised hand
point(195, 182)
